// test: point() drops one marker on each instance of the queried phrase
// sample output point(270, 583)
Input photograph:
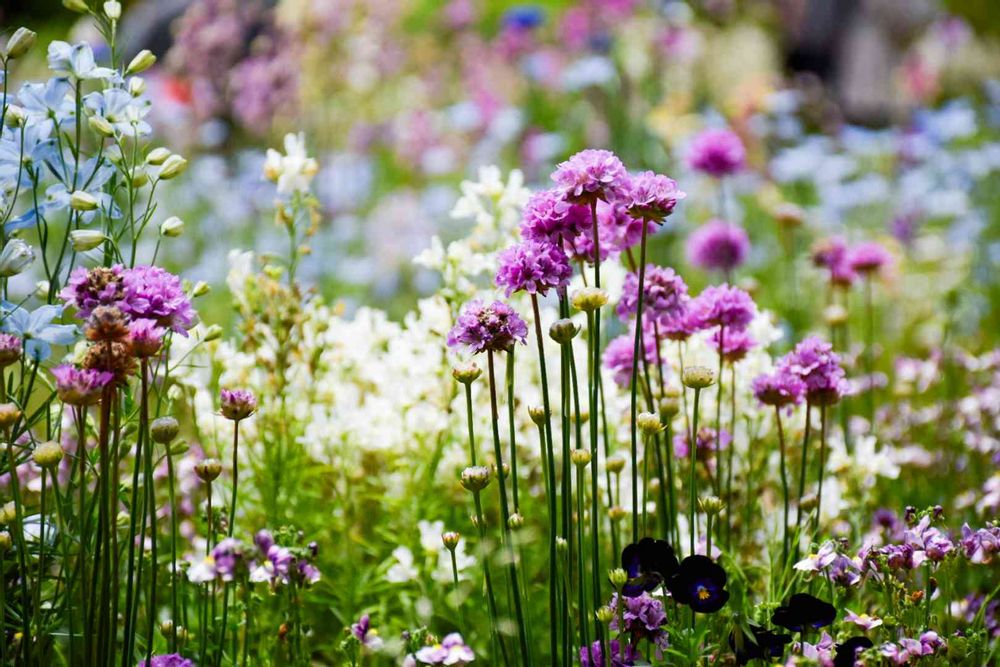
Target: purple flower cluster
point(665, 295)
point(778, 388)
point(593, 655)
point(620, 353)
point(80, 387)
point(980, 545)
point(907, 650)
point(168, 660)
point(152, 293)
point(237, 404)
point(832, 564)
point(280, 565)
point(814, 362)
point(652, 196)
point(481, 327)
point(533, 267)
point(451, 651)
point(644, 618)
point(718, 246)
point(832, 254)
point(921, 543)
point(722, 306)
point(868, 257)
point(733, 345)
point(717, 152)
point(706, 442)
point(549, 218)
point(592, 174)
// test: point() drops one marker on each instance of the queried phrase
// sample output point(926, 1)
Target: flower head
point(718, 246)
point(868, 257)
point(591, 174)
point(779, 388)
point(833, 255)
point(146, 337)
point(722, 306)
point(664, 294)
point(700, 583)
point(648, 564)
point(451, 651)
point(547, 217)
point(717, 153)
point(168, 660)
point(294, 170)
point(481, 327)
point(815, 363)
point(619, 354)
point(533, 267)
point(733, 345)
point(651, 196)
point(155, 294)
point(237, 404)
point(80, 387)
point(89, 288)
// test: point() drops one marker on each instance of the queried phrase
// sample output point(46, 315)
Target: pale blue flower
point(36, 328)
point(124, 112)
point(78, 60)
point(39, 149)
point(50, 101)
point(91, 178)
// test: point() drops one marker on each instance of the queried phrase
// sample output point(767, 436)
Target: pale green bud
point(201, 288)
point(157, 156)
point(213, 332)
point(580, 457)
point(698, 377)
point(173, 166)
point(15, 258)
point(141, 62)
point(83, 201)
point(20, 42)
point(589, 299)
point(15, 116)
point(78, 6)
point(113, 10)
point(618, 578)
point(86, 239)
point(172, 227)
point(136, 86)
point(101, 126)
point(648, 423)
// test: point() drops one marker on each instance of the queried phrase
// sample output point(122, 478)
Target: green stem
point(784, 486)
point(692, 450)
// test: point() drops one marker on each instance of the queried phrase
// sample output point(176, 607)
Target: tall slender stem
point(784, 486)
point(638, 351)
point(692, 449)
point(802, 472)
point(822, 462)
point(595, 340)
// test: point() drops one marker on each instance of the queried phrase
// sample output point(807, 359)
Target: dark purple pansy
point(648, 563)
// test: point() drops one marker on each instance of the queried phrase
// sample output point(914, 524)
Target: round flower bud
point(506, 470)
point(113, 9)
point(172, 227)
point(15, 116)
point(164, 430)
point(101, 126)
point(617, 513)
point(583, 416)
point(78, 6)
point(157, 156)
point(648, 423)
point(86, 239)
point(5, 541)
point(618, 578)
point(450, 540)
point(476, 478)
point(711, 504)
point(9, 414)
point(789, 215)
point(563, 331)
point(208, 470)
point(537, 414)
point(172, 167)
point(580, 457)
point(515, 521)
point(139, 177)
point(136, 86)
point(698, 377)
point(214, 332)
point(201, 288)
point(835, 315)
point(466, 373)
point(167, 628)
point(615, 464)
point(82, 201)
point(604, 614)
point(48, 454)
point(8, 513)
point(237, 404)
point(669, 407)
point(141, 62)
point(589, 299)
point(20, 42)
point(15, 258)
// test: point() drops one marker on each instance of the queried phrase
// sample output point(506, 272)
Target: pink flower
point(718, 246)
point(591, 174)
point(532, 267)
point(652, 196)
point(863, 620)
point(80, 387)
point(717, 153)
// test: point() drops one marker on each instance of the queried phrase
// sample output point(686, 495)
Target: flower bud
point(789, 215)
point(157, 156)
point(589, 299)
point(83, 201)
point(172, 167)
point(20, 42)
point(618, 578)
point(48, 454)
point(617, 513)
point(669, 407)
point(172, 227)
point(237, 404)
point(604, 614)
point(113, 9)
point(5, 541)
point(15, 116)
point(466, 373)
point(136, 86)
point(537, 414)
point(580, 457)
point(9, 414)
point(476, 478)
point(86, 239)
point(201, 288)
point(698, 377)
point(164, 429)
point(711, 504)
point(139, 177)
point(648, 423)
point(78, 6)
point(515, 521)
point(494, 470)
point(450, 539)
point(562, 546)
point(213, 332)
point(208, 470)
point(141, 62)
point(615, 464)
point(563, 331)
point(15, 258)
point(8, 513)
point(167, 628)
point(101, 126)
point(42, 288)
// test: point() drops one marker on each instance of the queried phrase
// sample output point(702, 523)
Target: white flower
point(294, 170)
point(430, 535)
point(202, 571)
point(403, 570)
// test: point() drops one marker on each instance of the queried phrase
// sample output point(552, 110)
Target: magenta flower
point(532, 267)
point(621, 229)
point(652, 196)
point(481, 327)
point(619, 354)
point(237, 404)
point(146, 337)
point(591, 174)
point(832, 254)
point(863, 621)
point(869, 257)
point(815, 363)
point(362, 631)
point(593, 656)
point(10, 349)
point(722, 306)
point(779, 388)
point(706, 443)
point(581, 247)
point(644, 618)
point(718, 246)
point(980, 545)
point(451, 651)
point(153, 293)
point(80, 387)
point(664, 294)
point(547, 217)
point(168, 660)
point(717, 153)
point(90, 288)
point(736, 343)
